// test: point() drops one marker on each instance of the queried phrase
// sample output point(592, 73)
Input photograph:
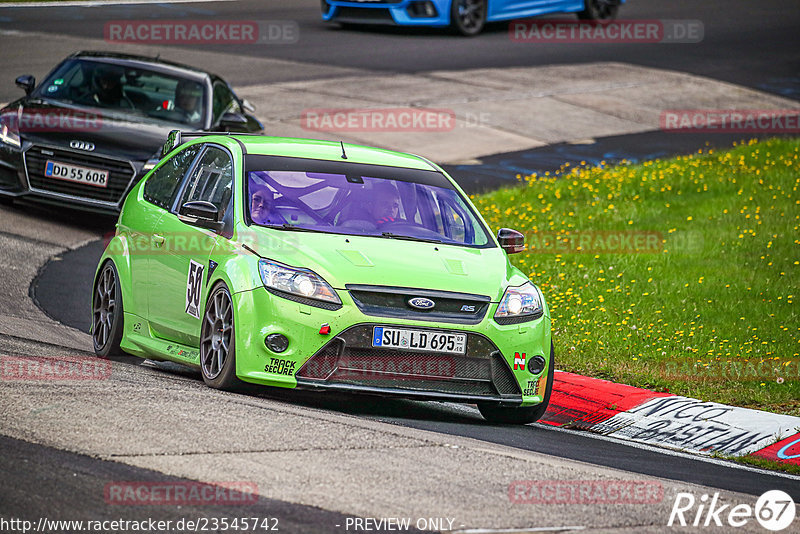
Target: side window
point(224, 101)
point(454, 221)
point(211, 180)
point(161, 186)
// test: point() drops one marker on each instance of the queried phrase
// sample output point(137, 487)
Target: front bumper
point(22, 173)
point(346, 360)
point(393, 12)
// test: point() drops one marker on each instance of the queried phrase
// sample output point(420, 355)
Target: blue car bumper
point(400, 12)
point(436, 12)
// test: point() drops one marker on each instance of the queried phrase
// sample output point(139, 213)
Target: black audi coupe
point(97, 122)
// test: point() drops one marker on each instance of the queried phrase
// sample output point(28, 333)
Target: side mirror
point(202, 213)
point(232, 122)
point(26, 82)
point(510, 240)
point(248, 106)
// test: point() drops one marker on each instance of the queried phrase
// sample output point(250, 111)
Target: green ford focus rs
point(325, 266)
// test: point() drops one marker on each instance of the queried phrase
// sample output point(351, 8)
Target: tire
point(468, 17)
point(602, 11)
point(108, 318)
point(521, 415)
point(218, 341)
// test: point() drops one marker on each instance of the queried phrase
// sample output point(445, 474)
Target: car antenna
point(344, 154)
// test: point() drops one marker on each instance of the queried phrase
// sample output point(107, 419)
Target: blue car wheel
point(468, 17)
point(600, 10)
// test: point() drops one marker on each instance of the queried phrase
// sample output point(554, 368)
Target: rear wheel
point(602, 11)
point(521, 415)
point(217, 341)
point(107, 313)
point(468, 17)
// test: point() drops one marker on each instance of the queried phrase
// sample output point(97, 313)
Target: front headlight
point(148, 165)
point(298, 282)
point(9, 133)
point(519, 304)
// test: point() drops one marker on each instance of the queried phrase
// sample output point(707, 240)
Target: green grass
point(710, 312)
point(763, 463)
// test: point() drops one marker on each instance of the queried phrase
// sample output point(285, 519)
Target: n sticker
point(519, 361)
point(194, 285)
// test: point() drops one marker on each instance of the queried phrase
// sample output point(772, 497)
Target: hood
point(347, 259)
point(112, 133)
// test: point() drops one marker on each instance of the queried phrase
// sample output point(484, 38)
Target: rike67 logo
point(774, 510)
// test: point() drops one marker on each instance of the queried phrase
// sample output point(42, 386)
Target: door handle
point(158, 240)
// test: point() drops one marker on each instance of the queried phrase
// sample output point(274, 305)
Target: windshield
point(127, 89)
point(363, 205)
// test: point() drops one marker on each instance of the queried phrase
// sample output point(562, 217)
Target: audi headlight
point(519, 304)
point(298, 282)
point(9, 133)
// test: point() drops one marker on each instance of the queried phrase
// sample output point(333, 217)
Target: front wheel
point(107, 313)
point(522, 415)
point(217, 341)
point(602, 11)
point(468, 17)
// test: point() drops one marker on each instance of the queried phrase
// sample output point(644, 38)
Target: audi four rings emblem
point(82, 145)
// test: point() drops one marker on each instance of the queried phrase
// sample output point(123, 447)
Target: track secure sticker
point(280, 367)
point(531, 389)
point(194, 285)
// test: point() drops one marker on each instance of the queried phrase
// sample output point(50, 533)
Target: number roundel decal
point(194, 286)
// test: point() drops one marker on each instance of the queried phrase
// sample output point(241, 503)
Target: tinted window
point(211, 180)
point(362, 205)
point(128, 89)
point(224, 101)
point(161, 186)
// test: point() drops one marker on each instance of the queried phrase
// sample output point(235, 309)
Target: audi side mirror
point(26, 82)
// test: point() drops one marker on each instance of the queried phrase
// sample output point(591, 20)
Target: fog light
point(421, 9)
point(277, 342)
point(536, 365)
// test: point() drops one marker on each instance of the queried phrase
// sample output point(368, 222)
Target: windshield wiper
point(293, 228)
point(390, 235)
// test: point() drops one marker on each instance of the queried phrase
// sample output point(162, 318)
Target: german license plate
point(74, 173)
point(422, 340)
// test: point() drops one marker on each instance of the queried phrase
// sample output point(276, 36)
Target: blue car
point(465, 16)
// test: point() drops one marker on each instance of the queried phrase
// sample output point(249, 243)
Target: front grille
point(365, 15)
point(449, 307)
point(350, 359)
point(120, 174)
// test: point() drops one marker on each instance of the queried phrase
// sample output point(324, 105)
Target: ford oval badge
point(421, 303)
